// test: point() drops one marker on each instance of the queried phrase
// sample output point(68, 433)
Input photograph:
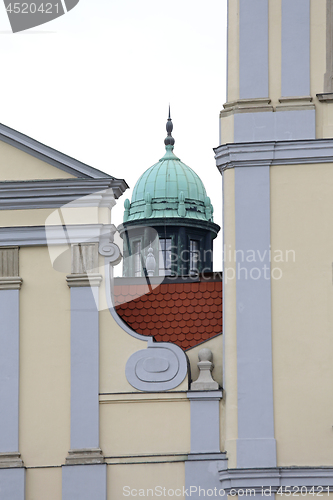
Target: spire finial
point(169, 140)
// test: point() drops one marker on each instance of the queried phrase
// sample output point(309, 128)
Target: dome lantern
point(170, 198)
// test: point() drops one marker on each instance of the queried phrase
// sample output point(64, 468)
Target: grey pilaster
point(84, 357)
point(205, 459)
point(10, 284)
point(256, 444)
point(253, 48)
point(12, 484)
point(295, 64)
point(83, 482)
point(205, 421)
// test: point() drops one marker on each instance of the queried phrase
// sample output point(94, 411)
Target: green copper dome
point(169, 189)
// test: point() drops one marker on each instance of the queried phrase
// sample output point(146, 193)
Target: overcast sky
point(96, 84)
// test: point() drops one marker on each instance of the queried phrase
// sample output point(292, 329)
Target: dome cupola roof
point(169, 189)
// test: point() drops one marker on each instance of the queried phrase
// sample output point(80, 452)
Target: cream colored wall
point(51, 217)
point(274, 50)
point(302, 313)
point(149, 425)
point(227, 121)
point(169, 476)
point(43, 484)
point(16, 165)
point(318, 46)
point(230, 342)
point(324, 112)
point(44, 360)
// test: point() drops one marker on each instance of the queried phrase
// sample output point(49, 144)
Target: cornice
point(275, 478)
point(10, 460)
point(10, 283)
point(51, 235)
point(19, 195)
point(80, 280)
point(85, 456)
point(255, 154)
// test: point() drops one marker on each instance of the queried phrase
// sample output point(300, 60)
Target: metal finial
point(169, 140)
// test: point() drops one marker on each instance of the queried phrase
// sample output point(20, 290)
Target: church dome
point(169, 189)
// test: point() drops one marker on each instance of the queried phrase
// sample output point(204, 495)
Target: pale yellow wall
point(324, 112)
point(230, 347)
point(16, 165)
point(318, 45)
point(274, 50)
point(152, 425)
point(144, 476)
point(44, 360)
point(43, 484)
point(302, 313)
point(227, 128)
point(54, 216)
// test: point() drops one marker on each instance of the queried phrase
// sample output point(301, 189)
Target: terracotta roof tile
point(183, 313)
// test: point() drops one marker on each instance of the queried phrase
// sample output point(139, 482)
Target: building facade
point(90, 408)
point(93, 407)
point(276, 160)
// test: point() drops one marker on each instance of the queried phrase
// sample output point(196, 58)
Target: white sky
point(96, 84)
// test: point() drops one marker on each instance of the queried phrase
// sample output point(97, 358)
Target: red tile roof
point(185, 313)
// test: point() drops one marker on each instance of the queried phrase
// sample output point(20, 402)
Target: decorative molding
point(205, 381)
point(328, 97)
point(254, 154)
point(139, 397)
point(157, 368)
point(274, 478)
point(204, 395)
point(256, 105)
point(19, 195)
point(10, 460)
point(86, 279)
point(85, 456)
point(50, 235)
point(11, 283)
point(295, 99)
point(209, 456)
point(144, 459)
point(295, 103)
point(9, 261)
point(84, 257)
